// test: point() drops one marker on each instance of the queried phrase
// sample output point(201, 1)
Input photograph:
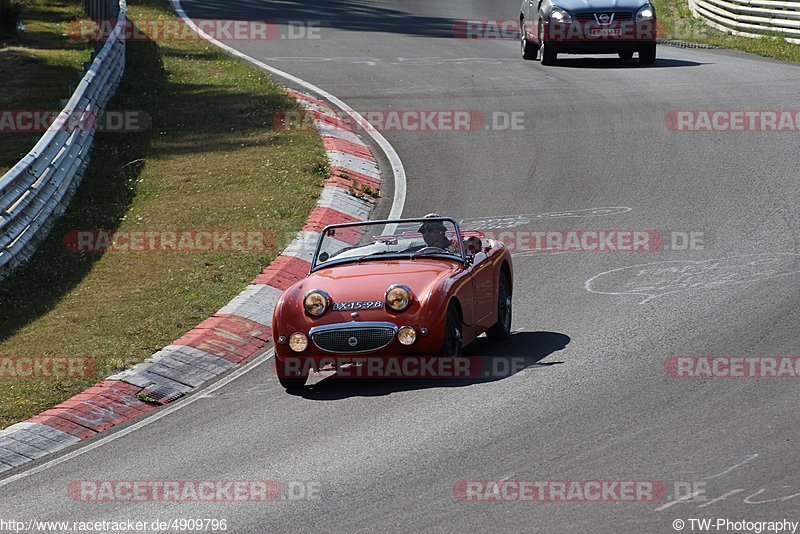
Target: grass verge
point(38, 67)
point(211, 160)
point(676, 22)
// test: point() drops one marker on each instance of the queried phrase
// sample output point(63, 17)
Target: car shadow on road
point(617, 63)
point(487, 362)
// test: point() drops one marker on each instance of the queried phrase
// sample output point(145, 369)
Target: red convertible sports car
point(395, 288)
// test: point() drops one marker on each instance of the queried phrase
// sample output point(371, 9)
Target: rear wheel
point(502, 329)
point(625, 55)
point(647, 56)
point(548, 56)
point(529, 50)
point(452, 332)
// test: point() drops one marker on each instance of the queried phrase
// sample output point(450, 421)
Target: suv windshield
point(408, 238)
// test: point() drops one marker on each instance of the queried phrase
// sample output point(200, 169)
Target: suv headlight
point(647, 12)
point(316, 303)
point(398, 298)
point(560, 15)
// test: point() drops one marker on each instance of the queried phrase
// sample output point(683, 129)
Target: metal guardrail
point(38, 189)
point(751, 18)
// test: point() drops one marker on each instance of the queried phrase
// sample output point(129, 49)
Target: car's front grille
point(353, 339)
point(618, 16)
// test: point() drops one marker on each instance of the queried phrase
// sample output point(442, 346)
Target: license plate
point(605, 32)
point(363, 305)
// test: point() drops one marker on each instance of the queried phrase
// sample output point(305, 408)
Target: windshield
point(409, 238)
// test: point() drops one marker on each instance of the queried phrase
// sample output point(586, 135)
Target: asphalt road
point(594, 401)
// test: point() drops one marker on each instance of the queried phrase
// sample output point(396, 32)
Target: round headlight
point(398, 298)
point(316, 302)
point(298, 342)
point(406, 335)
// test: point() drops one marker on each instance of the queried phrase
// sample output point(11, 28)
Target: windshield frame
point(391, 224)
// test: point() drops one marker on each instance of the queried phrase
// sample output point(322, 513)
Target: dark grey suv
point(550, 27)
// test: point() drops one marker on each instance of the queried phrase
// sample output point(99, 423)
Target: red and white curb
point(233, 335)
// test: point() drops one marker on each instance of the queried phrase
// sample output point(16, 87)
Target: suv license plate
point(605, 32)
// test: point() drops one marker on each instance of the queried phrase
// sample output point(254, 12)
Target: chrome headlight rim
point(641, 17)
point(564, 16)
point(409, 300)
point(325, 308)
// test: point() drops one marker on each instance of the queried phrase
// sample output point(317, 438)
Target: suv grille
point(353, 339)
point(618, 16)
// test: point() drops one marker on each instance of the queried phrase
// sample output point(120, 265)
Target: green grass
point(38, 68)
point(676, 22)
point(210, 161)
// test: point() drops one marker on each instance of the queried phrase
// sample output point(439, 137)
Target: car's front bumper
point(318, 353)
point(579, 38)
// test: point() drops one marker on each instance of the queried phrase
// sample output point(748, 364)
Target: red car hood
point(370, 280)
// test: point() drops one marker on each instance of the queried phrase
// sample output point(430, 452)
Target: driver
point(433, 233)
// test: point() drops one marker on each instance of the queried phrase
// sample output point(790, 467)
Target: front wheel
point(529, 50)
point(502, 328)
point(289, 379)
point(548, 56)
point(452, 333)
point(647, 56)
point(626, 55)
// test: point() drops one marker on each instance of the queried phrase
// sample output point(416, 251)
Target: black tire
point(502, 328)
point(647, 56)
point(288, 379)
point(452, 346)
point(547, 56)
point(626, 55)
point(529, 50)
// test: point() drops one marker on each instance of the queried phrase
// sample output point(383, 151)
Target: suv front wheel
point(529, 50)
point(647, 55)
point(549, 57)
